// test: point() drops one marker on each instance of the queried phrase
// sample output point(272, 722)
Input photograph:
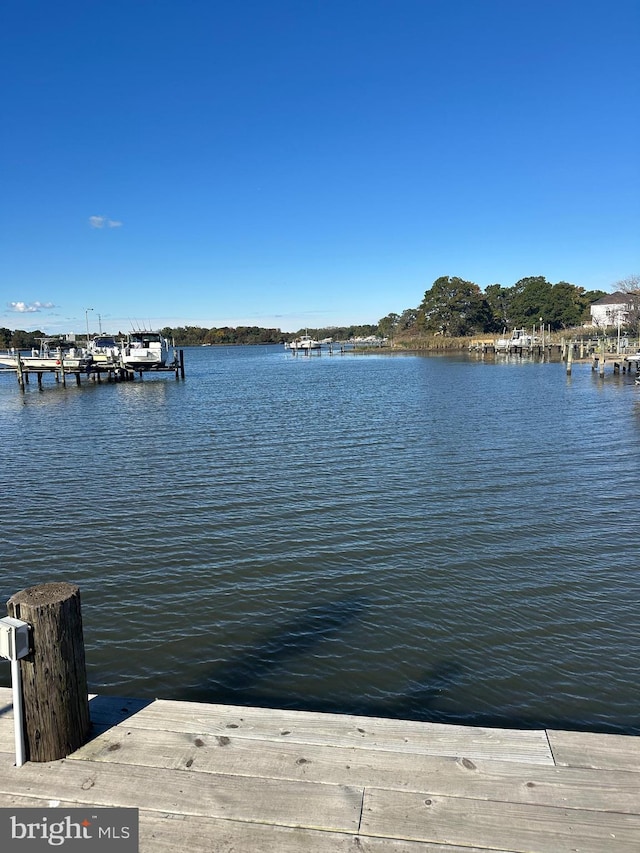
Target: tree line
point(19, 339)
point(454, 307)
point(186, 336)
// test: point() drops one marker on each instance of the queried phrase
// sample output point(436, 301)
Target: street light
point(86, 317)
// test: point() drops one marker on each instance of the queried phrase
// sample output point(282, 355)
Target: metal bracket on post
point(14, 644)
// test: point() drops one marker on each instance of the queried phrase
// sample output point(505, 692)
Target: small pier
point(600, 352)
point(618, 362)
point(98, 371)
point(221, 777)
point(536, 348)
point(340, 348)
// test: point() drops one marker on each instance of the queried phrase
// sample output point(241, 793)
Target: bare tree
point(630, 286)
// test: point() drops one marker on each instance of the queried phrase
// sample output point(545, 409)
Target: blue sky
point(309, 163)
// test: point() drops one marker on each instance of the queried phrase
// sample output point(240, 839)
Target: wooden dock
point(218, 778)
point(619, 362)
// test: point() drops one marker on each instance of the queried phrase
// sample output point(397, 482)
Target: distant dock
point(522, 348)
point(600, 352)
point(619, 363)
point(96, 371)
point(339, 347)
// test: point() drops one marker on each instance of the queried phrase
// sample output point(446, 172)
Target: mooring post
point(54, 679)
point(20, 372)
point(569, 358)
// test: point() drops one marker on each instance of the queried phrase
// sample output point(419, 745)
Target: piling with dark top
point(54, 679)
point(20, 372)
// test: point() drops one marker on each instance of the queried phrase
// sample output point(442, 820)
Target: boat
point(502, 344)
point(104, 349)
point(519, 338)
point(305, 342)
point(54, 354)
point(145, 350)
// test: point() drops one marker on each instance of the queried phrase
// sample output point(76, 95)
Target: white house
point(610, 310)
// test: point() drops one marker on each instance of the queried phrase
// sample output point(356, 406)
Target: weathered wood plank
point(494, 780)
point(108, 711)
point(167, 833)
point(7, 740)
point(328, 807)
point(346, 730)
point(600, 751)
point(404, 736)
point(174, 833)
point(105, 712)
point(498, 825)
point(228, 768)
point(6, 720)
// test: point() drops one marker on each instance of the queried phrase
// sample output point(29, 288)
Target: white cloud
point(29, 307)
point(103, 222)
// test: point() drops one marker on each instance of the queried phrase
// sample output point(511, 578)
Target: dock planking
point(596, 751)
point(400, 736)
point(236, 778)
point(497, 825)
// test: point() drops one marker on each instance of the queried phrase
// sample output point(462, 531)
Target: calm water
point(436, 538)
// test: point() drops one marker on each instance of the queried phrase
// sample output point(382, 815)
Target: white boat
point(502, 344)
point(104, 349)
point(519, 338)
point(145, 350)
point(305, 342)
point(54, 354)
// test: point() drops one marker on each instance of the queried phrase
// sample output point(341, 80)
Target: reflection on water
point(442, 538)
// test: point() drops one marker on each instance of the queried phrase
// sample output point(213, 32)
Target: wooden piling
point(54, 680)
point(20, 372)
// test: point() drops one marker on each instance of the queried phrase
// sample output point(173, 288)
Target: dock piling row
point(114, 371)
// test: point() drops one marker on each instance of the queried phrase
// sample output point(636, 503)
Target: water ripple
point(436, 538)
